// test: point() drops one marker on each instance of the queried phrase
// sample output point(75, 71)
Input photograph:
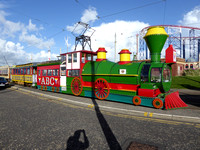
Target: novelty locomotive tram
point(138, 83)
point(90, 74)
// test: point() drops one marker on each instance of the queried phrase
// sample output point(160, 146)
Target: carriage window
point(69, 72)
point(39, 72)
point(34, 71)
point(166, 74)
point(63, 71)
point(21, 71)
point(44, 72)
point(69, 58)
point(55, 72)
point(145, 72)
point(73, 73)
point(88, 57)
point(49, 72)
point(28, 70)
point(25, 71)
point(18, 71)
point(75, 57)
point(156, 74)
point(83, 58)
point(63, 58)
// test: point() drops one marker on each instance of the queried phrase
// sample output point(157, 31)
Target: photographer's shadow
point(74, 143)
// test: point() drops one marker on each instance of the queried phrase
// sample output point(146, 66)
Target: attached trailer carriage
point(25, 74)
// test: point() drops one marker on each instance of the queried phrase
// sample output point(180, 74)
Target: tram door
point(63, 78)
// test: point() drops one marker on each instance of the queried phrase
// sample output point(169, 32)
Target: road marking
point(146, 114)
point(91, 106)
point(150, 114)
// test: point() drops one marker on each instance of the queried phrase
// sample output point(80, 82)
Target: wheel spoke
point(101, 88)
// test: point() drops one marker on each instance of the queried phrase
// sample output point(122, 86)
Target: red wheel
point(53, 89)
point(57, 89)
point(136, 100)
point(41, 87)
point(102, 89)
point(76, 86)
point(157, 103)
point(45, 88)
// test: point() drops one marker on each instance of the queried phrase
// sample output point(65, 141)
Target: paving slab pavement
point(189, 114)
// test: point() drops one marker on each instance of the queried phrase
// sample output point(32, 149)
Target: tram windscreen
point(145, 73)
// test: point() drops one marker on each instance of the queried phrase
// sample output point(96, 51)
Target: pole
point(115, 46)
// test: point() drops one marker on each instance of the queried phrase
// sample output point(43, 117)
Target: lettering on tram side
point(48, 81)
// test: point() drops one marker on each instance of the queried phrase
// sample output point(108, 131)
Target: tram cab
point(72, 64)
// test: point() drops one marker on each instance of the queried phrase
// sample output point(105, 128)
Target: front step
point(173, 100)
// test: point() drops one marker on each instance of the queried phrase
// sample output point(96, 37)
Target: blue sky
point(29, 28)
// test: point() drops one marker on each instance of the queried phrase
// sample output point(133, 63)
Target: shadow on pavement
point(74, 142)
point(110, 137)
point(191, 99)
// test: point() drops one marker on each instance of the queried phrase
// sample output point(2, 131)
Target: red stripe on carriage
point(115, 86)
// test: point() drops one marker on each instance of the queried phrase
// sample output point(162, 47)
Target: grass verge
point(186, 82)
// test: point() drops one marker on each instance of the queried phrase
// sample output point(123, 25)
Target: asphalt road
point(35, 122)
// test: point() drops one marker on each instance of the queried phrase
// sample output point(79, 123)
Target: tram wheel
point(101, 89)
point(76, 86)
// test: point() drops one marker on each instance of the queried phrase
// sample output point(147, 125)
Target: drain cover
point(141, 146)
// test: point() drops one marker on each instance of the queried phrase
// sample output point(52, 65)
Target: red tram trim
point(115, 86)
point(148, 92)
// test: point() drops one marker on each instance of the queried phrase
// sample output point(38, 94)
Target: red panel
point(48, 80)
point(170, 55)
point(116, 86)
point(148, 92)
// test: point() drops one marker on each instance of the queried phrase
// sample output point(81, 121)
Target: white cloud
point(89, 15)
point(33, 40)
point(9, 28)
point(192, 18)
point(15, 54)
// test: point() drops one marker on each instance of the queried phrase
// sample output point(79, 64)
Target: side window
point(83, 58)
point(39, 72)
point(75, 57)
point(44, 72)
point(49, 72)
point(24, 70)
point(145, 73)
point(18, 72)
point(88, 57)
point(55, 72)
point(73, 73)
point(156, 74)
point(63, 71)
point(69, 58)
point(166, 74)
point(28, 70)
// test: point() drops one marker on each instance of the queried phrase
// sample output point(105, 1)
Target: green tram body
point(140, 83)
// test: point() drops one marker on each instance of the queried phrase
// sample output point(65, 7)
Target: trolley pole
point(115, 46)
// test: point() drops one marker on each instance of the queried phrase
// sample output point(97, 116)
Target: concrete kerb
point(122, 111)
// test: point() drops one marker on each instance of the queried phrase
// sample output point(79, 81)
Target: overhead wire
point(130, 9)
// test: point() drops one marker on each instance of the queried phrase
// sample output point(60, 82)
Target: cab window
point(69, 58)
point(63, 71)
point(145, 73)
point(166, 74)
point(156, 74)
point(75, 57)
